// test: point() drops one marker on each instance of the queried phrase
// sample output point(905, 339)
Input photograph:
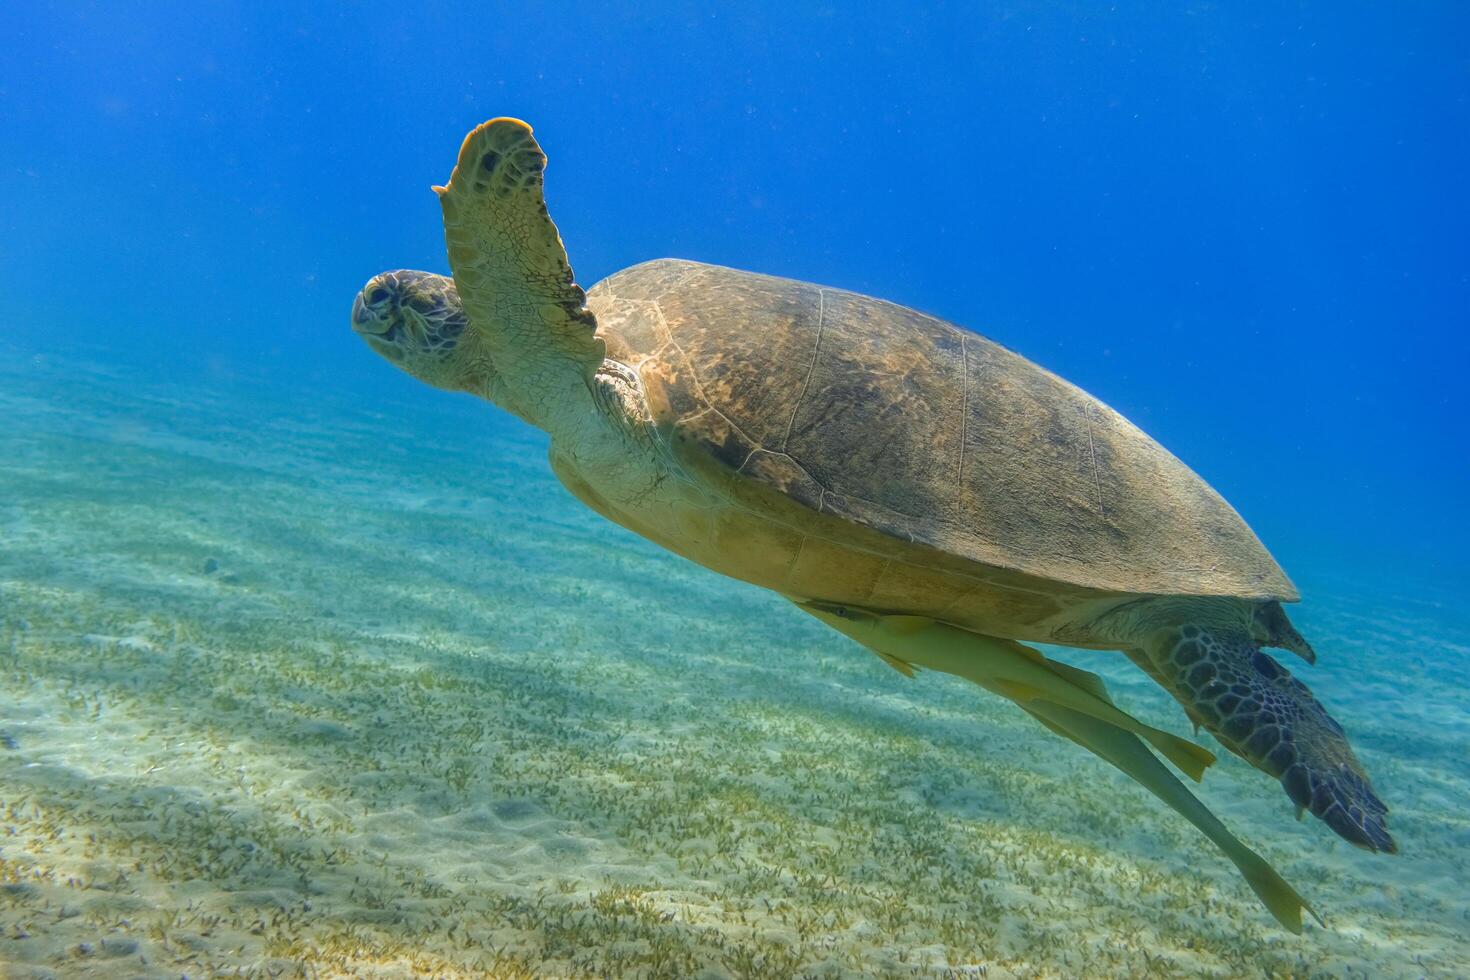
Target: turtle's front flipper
point(526, 314)
point(1254, 706)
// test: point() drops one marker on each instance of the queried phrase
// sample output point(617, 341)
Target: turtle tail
point(1256, 709)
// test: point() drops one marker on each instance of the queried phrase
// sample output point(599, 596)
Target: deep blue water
point(1241, 225)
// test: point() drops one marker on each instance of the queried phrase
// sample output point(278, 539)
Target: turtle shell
point(904, 424)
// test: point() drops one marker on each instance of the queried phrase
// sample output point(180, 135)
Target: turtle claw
point(1271, 628)
point(1344, 801)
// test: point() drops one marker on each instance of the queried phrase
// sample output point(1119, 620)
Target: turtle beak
point(365, 320)
point(359, 313)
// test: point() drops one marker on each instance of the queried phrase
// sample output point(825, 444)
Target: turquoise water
point(306, 668)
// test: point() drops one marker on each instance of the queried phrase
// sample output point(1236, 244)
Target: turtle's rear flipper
point(1260, 712)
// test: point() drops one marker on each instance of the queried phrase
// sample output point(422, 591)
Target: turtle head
point(415, 320)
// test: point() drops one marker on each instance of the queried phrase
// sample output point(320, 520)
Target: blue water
point(1242, 226)
point(1244, 229)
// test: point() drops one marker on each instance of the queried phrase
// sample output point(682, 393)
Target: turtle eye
point(379, 295)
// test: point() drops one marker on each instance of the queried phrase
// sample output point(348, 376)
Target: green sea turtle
point(887, 471)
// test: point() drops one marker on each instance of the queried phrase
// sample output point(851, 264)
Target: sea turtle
point(887, 471)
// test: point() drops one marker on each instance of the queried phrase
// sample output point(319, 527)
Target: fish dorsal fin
point(1085, 679)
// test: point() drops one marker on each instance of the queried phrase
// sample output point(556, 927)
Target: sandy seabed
point(299, 682)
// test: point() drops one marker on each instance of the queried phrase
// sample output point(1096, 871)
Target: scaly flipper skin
point(1216, 669)
point(512, 273)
